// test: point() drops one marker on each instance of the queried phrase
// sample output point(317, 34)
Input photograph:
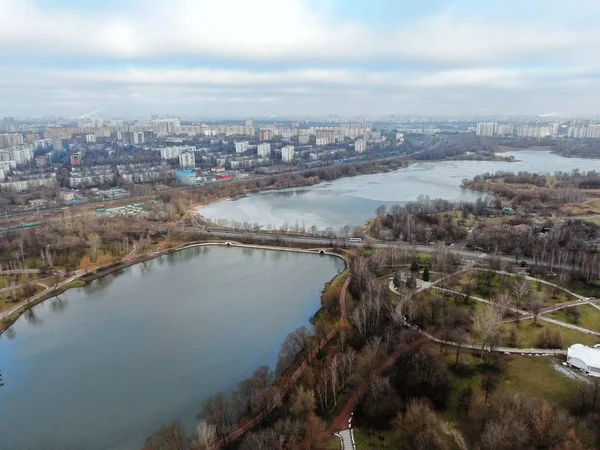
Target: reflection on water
point(147, 345)
point(352, 201)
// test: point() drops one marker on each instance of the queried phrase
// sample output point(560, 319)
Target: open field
point(585, 316)
point(528, 334)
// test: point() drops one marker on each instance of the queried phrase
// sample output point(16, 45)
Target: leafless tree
point(207, 436)
point(169, 437)
point(520, 290)
point(536, 307)
point(486, 325)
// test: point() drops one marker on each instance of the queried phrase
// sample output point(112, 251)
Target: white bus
point(355, 239)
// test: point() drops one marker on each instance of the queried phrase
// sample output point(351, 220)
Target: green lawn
point(528, 334)
point(536, 376)
point(589, 317)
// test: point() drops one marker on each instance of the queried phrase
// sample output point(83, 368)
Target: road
point(263, 237)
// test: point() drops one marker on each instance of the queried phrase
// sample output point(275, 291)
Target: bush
point(550, 340)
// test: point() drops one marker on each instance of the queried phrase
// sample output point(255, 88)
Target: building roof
point(589, 355)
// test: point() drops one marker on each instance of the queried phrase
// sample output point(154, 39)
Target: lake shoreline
point(100, 272)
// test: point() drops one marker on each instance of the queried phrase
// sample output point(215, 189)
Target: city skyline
point(297, 58)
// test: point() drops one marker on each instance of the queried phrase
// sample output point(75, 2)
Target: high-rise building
point(241, 147)
point(505, 130)
point(360, 145)
point(303, 139)
point(187, 159)
point(287, 153)
point(264, 150)
point(249, 123)
point(266, 135)
point(486, 129)
point(321, 141)
point(90, 138)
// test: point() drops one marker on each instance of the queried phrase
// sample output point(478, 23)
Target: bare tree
point(169, 437)
point(520, 289)
point(207, 436)
point(94, 241)
point(536, 307)
point(486, 325)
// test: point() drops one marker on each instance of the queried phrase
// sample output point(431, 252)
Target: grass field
point(589, 317)
point(528, 334)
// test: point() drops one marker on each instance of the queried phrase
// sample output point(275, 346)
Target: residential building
point(321, 141)
point(486, 129)
point(90, 138)
point(27, 183)
point(303, 139)
point(187, 159)
point(328, 134)
point(287, 153)
point(505, 130)
point(263, 150)
point(360, 145)
point(241, 146)
point(249, 123)
point(399, 138)
point(265, 135)
point(76, 159)
point(41, 161)
point(10, 140)
point(174, 152)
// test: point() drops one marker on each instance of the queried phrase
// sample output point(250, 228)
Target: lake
point(352, 201)
point(105, 365)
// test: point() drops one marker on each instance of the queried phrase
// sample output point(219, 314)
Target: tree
point(216, 411)
point(414, 267)
point(426, 274)
point(489, 385)
point(465, 397)
point(536, 307)
point(169, 437)
point(420, 428)
point(486, 325)
point(207, 436)
point(302, 402)
point(296, 342)
point(94, 241)
point(520, 290)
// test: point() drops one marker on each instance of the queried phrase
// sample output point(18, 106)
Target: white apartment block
point(287, 153)
point(90, 138)
point(187, 159)
point(505, 130)
point(486, 129)
point(174, 152)
point(263, 150)
point(400, 138)
point(360, 145)
point(47, 180)
point(241, 147)
point(21, 154)
point(321, 141)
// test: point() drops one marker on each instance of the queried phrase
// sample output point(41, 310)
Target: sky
point(225, 58)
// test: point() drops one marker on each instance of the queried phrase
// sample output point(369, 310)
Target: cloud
point(276, 30)
point(299, 56)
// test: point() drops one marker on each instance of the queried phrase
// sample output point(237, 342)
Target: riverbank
point(82, 278)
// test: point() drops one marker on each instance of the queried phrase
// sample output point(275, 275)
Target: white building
point(399, 138)
point(264, 150)
point(174, 152)
point(505, 130)
point(584, 358)
point(90, 138)
point(360, 145)
point(486, 129)
point(303, 139)
point(241, 147)
point(287, 153)
point(187, 159)
point(321, 141)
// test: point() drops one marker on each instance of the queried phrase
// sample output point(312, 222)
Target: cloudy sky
point(216, 58)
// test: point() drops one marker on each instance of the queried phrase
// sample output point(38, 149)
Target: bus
point(355, 239)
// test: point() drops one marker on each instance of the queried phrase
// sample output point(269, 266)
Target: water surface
point(352, 201)
point(109, 363)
